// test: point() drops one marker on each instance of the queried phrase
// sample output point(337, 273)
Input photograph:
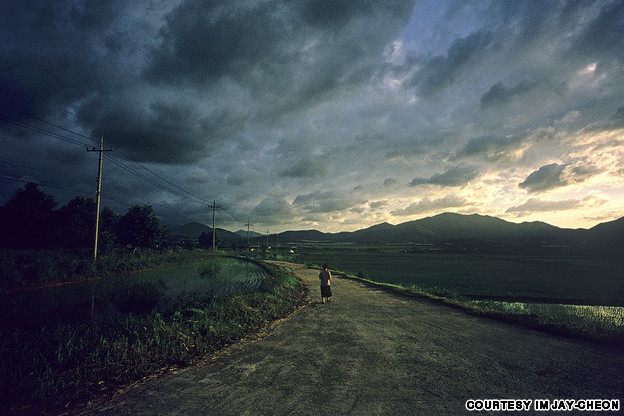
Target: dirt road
point(370, 352)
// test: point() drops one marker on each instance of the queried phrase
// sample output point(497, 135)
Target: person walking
point(325, 277)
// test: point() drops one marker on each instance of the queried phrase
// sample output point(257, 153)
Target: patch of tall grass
point(28, 268)
point(603, 323)
point(60, 365)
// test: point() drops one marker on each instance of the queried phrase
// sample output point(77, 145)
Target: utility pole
point(248, 224)
point(267, 239)
point(214, 230)
point(97, 193)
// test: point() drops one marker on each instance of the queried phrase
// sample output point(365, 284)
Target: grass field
point(574, 280)
point(139, 292)
point(53, 354)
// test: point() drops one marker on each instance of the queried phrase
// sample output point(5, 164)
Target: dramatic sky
point(326, 114)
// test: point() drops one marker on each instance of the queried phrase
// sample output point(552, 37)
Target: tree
point(139, 227)
point(108, 229)
point(205, 240)
point(27, 219)
point(75, 223)
point(239, 245)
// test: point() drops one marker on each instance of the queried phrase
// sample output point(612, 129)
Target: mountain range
point(449, 229)
point(193, 230)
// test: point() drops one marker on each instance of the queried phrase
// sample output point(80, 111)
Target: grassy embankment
point(25, 269)
point(144, 323)
point(572, 296)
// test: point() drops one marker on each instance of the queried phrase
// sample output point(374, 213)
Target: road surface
point(371, 352)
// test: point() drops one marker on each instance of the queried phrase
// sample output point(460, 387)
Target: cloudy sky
point(327, 114)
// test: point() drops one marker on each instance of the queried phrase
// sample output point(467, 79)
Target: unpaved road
point(370, 352)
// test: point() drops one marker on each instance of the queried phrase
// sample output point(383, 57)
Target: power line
point(230, 214)
point(164, 179)
point(47, 122)
point(172, 188)
point(42, 131)
point(29, 166)
point(140, 175)
point(76, 142)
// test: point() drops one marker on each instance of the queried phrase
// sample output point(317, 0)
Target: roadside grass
point(593, 322)
point(62, 364)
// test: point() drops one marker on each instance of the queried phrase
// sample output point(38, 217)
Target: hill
point(243, 233)
point(476, 231)
point(194, 229)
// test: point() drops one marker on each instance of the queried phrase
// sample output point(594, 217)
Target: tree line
point(31, 220)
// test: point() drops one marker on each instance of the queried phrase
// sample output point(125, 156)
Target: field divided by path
point(371, 352)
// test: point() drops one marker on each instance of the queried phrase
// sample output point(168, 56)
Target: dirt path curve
point(370, 352)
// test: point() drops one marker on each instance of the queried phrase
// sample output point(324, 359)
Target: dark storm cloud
point(338, 13)
point(602, 37)
point(327, 201)
point(499, 94)
point(555, 175)
point(290, 52)
point(531, 20)
point(307, 167)
point(54, 53)
point(164, 132)
point(205, 40)
point(457, 176)
point(545, 178)
point(618, 118)
point(439, 72)
point(492, 148)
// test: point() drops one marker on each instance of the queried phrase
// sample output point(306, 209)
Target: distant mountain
point(607, 237)
point(476, 231)
point(252, 234)
point(448, 226)
point(194, 229)
point(191, 230)
point(451, 231)
point(296, 237)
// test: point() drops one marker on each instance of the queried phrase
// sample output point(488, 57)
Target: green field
point(55, 354)
point(140, 292)
point(545, 279)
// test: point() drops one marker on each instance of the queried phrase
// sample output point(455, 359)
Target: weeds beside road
point(55, 366)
